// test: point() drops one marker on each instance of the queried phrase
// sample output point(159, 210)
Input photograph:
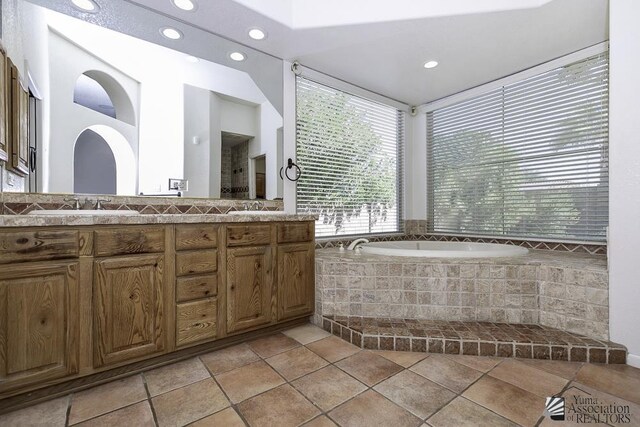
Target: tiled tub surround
point(560, 290)
point(22, 204)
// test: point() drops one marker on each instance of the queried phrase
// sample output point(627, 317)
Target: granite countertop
point(78, 220)
point(534, 257)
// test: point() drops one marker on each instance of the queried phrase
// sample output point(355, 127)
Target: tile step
point(473, 338)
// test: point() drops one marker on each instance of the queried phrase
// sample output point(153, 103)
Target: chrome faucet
point(99, 203)
point(75, 200)
point(252, 206)
point(356, 243)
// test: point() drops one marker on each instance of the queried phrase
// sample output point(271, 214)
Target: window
point(528, 160)
point(350, 152)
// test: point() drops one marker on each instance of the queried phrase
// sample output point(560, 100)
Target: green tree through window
point(348, 150)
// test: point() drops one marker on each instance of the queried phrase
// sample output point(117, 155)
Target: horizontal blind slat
point(525, 160)
point(350, 151)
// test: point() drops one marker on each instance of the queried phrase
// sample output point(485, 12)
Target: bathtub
point(442, 249)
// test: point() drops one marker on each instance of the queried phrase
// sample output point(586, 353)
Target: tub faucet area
point(355, 244)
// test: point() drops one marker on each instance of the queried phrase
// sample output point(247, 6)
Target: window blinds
point(528, 160)
point(350, 152)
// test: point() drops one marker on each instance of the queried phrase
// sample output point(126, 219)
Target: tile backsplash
point(23, 203)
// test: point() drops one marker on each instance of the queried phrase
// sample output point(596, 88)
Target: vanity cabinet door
point(296, 280)
point(38, 323)
point(128, 308)
point(18, 134)
point(3, 106)
point(249, 287)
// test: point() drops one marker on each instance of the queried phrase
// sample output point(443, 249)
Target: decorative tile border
point(529, 244)
point(22, 204)
point(472, 338)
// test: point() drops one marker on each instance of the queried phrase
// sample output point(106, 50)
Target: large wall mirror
point(121, 109)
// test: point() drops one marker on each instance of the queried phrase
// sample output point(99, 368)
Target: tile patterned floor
point(307, 377)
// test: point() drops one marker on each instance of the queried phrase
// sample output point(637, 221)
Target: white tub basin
point(442, 249)
point(259, 213)
point(88, 212)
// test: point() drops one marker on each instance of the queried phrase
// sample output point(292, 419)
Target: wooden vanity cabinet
point(197, 277)
point(128, 294)
point(76, 301)
point(250, 278)
point(128, 308)
point(39, 306)
point(39, 299)
point(39, 338)
point(249, 287)
point(270, 273)
point(296, 270)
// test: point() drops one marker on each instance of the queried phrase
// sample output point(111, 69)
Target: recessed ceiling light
point(86, 5)
point(171, 33)
point(188, 5)
point(431, 64)
point(192, 59)
point(257, 34)
point(237, 56)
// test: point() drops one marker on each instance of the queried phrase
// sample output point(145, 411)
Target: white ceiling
point(474, 41)
point(297, 14)
point(387, 57)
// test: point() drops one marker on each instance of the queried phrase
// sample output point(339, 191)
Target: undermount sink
point(257, 213)
point(91, 212)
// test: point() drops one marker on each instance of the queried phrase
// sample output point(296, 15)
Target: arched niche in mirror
point(94, 165)
point(100, 92)
point(103, 162)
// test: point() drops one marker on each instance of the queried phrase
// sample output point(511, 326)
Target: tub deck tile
point(484, 338)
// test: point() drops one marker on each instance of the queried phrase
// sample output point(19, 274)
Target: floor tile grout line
point(231, 404)
point(68, 412)
point(116, 410)
point(489, 409)
point(67, 422)
point(484, 374)
point(322, 412)
point(153, 409)
point(455, 394)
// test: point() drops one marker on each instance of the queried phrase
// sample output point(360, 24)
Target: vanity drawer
point(199, 236)
point(128, 240)
point(190, 288)
point(295, 232)
point(196, 321)
point(196, 262)
point(248, 235)
point(38, 245)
